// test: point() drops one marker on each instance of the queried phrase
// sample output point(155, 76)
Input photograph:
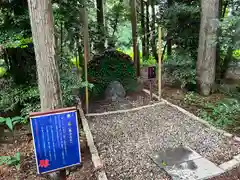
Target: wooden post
point(150, 88)
point(86, 53)
point(159, 63)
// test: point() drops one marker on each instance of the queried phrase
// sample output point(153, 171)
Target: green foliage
point(236, 54)
point(2, 71)
point(24, 97)
point(223, 114)
point(192, 98)
point(11, 122)
point(151, 61)
point(15, 30)
point(229, 33)
point(182, 68)
point(110, 66)
point(11, 160)
point(182, 20)
point(17, 40)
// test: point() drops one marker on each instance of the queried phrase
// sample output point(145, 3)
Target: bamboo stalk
point(159, 63)
point(86, 54)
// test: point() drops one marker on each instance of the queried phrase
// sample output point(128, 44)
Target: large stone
point(182, 163)
point(233, 72)
point(115, 91)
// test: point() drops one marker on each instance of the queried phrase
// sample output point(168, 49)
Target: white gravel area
point(125, 140)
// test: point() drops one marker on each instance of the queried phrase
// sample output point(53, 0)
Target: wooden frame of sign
point(149, 73)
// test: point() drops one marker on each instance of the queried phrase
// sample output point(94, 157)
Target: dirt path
point(125, 140)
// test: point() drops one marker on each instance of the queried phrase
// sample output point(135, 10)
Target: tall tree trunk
point(143, 29)
point(169, 40)
point(147, 29)
point(41, 16)
point(153, 31)
point(218, 58)
point(134, 36)
point(100, 23)
point(224, 9)
point(206, 63)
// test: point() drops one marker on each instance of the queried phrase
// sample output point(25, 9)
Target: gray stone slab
point(174, 156)
point(197, 169)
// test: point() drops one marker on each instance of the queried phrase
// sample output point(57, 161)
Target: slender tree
point(100, 25)
point(134, 36)
point(143, 29)
point(153, 30)
point(147, 31)
point(206, 63)
point(169, 41)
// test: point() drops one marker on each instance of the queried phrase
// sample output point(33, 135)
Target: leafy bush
point(181, 68)
point(11, 160)
point(18, 98)
point(112, 65)
point(11, 122)
point(192, 98)
point(224, 113)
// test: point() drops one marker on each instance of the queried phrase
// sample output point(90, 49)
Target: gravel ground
point(125, 140)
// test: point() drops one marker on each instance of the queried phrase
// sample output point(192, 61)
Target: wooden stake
point(159, 62)
point(86, 53)
point(150, 88)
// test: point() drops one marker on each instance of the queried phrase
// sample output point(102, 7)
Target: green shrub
point(112, 65)
point(11, 122)
point(192, 98)
point(224, 113)
point(11, 160)
point(181, 68)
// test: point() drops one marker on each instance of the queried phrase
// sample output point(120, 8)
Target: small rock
point(115, 91)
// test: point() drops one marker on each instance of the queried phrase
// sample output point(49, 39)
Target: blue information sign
point(56, 141)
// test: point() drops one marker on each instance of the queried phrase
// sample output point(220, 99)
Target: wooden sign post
point(56, 140)
point(149, 74)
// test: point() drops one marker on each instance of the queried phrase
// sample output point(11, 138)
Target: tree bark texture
point(134, 36)
point(101, 26)
point(153, 31)
point(41, 17)
point(169, 41)
point(147, 29)
point(206, 63)
point(143, 29)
